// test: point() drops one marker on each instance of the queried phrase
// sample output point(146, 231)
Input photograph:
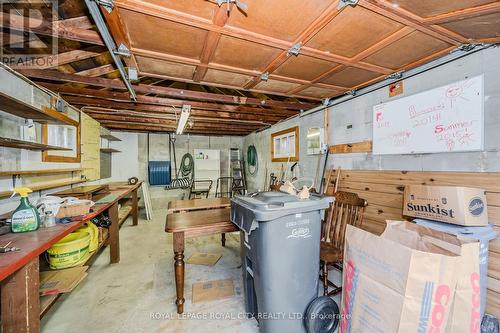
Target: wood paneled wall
point(91, 143)
point(384, 192)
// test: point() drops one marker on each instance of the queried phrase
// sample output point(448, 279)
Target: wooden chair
point(348, 208)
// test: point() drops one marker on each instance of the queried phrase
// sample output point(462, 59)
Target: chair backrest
point(200, 187)
point(348, 208)
point(224, 187)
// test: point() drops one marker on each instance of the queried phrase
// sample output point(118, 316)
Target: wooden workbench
point(192, 224)
point(19, 271)
point(84, 192)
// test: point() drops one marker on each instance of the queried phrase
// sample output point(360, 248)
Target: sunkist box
point(458, 205)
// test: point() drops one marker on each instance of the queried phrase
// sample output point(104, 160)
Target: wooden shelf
point(7, 194)
point(14, 143)
point(356, 147)
point(110, 137)
point(124, 213)
point(38, 172)
point(24, 110)
point(110, 150)
point(46, 302)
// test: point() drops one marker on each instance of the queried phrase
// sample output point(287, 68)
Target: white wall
point(358, 113)
point(133, 160)
point(308, 164)
point(126, 163)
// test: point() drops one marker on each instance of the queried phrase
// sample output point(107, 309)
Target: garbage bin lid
point(247, 211)
point(267, 203)
point(483, 234)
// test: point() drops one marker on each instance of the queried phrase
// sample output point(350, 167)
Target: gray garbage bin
point(280, 241)
point(482, 234)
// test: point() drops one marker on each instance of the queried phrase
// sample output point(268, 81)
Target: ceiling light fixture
point(181, 124)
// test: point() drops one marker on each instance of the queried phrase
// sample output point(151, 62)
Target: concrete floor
point(138, 294)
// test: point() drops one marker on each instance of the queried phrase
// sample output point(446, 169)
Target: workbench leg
point(21, 300)
point(114, 234)
point(135, 209)
point(223, 239)
point(179, 270)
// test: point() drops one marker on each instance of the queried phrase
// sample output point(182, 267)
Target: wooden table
point(182, 206)
point(179, 206)
point(192, 224)
point(19, 271)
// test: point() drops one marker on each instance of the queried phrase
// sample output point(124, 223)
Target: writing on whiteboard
point(448, 118)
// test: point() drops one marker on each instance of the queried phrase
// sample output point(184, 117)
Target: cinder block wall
point(133, 161)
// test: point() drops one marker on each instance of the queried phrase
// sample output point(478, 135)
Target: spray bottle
point(25, 218)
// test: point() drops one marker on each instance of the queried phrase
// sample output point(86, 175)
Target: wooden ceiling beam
point(211, 41)
point(94, 102)
point(225, 68)
point(97, 71)
point(116, 28)
point(359, 57)
point(172, 128)
point(20, 23)
point(165, 91)
point(60, 59)
point(405, 17)
point(169, 102)
point(464, 13)
point(143, 7)
point(194, 115)
point(162, 129)
point(173, 122)
point(319, 23)
point(80, 22)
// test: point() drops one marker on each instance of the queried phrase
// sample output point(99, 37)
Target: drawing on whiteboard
point(401, 138)
point(444, 119)
point(457, 132)
point(456, 91)
point(416, 113)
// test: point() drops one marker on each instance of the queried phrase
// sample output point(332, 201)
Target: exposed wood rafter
point(165, 91)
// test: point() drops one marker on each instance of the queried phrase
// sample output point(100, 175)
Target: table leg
point(223, 239)
point(114, 236)
point(21, 300)
point(135, 210)
point(179, 270)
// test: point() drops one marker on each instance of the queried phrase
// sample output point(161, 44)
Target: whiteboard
point(445, 119)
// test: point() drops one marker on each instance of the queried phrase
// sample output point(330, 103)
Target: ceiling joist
point(165, 91)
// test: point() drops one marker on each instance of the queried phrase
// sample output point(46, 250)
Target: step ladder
point(237, 168)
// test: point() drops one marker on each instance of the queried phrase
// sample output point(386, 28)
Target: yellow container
point(70, 251)
point(93, 231)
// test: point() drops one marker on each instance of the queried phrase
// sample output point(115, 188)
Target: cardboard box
point(207, 259)
point(457, 205)
point(61, 281)
point(212, 290)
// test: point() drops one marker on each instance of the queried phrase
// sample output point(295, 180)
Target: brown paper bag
point(465, 311)
point(402, 281)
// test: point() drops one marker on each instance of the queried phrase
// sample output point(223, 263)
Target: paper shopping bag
point(401, 281)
